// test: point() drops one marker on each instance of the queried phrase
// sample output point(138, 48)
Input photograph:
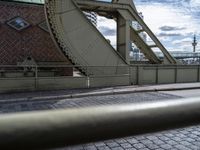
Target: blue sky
point(173, 21)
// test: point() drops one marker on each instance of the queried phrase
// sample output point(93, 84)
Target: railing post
point(137, 75)
point(36, 77)
point(198, 78)
point(129, 69)
point(156, 74)
point(88, 78)
point(176, 74)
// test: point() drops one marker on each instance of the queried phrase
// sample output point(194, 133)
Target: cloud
point(106, 31)
point(184, 41)
point(169, 34)
point(173, 21)
point(108, 28)
point(171, 28)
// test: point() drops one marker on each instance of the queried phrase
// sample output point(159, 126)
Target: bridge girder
point(60, 13)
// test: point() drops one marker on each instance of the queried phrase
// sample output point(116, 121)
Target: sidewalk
point(77, 93)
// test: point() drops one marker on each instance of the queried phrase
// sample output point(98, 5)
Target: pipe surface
point(59, 128)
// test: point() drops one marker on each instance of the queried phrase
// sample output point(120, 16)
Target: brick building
point(24, 34)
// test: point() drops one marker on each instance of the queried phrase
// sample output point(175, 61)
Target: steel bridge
point(69, 27)
point(88, 50)
point(83, 44)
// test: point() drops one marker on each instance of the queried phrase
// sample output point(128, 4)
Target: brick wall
point(33, 41)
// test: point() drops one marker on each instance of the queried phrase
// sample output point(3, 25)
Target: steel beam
point(78, 39)
point(146, 50)
point(126, 5)
point(49, 129)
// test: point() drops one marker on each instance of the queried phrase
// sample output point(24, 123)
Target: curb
point(101, 93)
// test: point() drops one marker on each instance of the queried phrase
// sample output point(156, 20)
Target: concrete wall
point(103, 81)
point(149, 74)
point(140, 74)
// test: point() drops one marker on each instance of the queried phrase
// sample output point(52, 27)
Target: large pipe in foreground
point(50, 129)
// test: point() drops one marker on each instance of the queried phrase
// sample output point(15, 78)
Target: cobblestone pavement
point(180, 139)
point(19, 106)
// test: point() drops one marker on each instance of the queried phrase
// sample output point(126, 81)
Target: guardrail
point(54, 77)
point(60, 128)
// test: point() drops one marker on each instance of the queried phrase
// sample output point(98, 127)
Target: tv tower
point(194, 44)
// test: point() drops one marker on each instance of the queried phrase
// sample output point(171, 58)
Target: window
point(18, 23)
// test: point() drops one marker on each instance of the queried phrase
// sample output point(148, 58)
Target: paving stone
point(164, 138)
point(194, 147)
point(139, 146)
point(188, 129)
point(193, 136)
point(171, 142)
point(189, 139)
point(126, 145)
point(145, 142)
point(152, 138)
point(158, 142)
point(185, 143)
point(103, 148)
point(166, 146)
point(112, 144)
point(90, 147)
point(181, 135)
point(184, 132)
point(152, 146)
point(177, 139)
point(121, 141)
point(117, 148)
point(196, 133)
point(170, 135)
point(131, 148)
point(196, 143)
point(99, 144)
point(140, 138)
point(144, 149)
point(181, 147)
point(132, 141)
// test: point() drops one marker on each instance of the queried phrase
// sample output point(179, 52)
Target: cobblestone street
point(180, 139)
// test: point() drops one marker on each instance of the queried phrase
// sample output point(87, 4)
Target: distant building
point(25, 36)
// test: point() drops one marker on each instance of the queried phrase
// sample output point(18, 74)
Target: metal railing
point(54, 77)
point(58, 69)
point(61, 128)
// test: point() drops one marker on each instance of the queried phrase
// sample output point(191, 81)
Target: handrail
point(58, 128)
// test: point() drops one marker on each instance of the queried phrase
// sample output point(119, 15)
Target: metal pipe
point(49, 129)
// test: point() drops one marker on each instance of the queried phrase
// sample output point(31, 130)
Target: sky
point(174, 22)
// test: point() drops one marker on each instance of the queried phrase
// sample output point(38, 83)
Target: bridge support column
point(123, 38)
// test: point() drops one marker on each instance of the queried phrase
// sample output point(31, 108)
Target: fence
point(18, 78)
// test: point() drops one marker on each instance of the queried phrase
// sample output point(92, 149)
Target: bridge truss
point(84, 45)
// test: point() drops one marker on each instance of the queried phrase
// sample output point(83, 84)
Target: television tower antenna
point(194, 44)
